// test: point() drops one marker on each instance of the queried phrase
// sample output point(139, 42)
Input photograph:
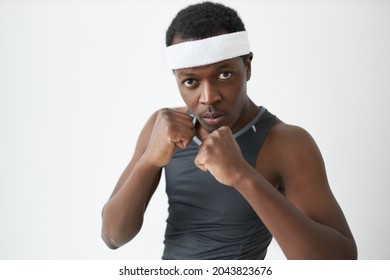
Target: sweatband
point(208, 51)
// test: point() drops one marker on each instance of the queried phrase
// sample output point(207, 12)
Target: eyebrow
point(186, 74)
point(191, 74)
point(225, 65)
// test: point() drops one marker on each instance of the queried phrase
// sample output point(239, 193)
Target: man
point(236, 176)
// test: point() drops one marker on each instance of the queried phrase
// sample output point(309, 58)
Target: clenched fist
point(220, 155)
point(172, 129)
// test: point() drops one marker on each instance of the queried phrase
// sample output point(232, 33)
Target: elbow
point(345, 250)
point(108, 238)
point(348, 251)
point(116, 239)
point(110, 242)
point(116, 235)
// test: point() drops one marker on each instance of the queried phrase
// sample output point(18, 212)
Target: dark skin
point(288, 188)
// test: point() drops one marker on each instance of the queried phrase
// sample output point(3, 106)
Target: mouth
point(213, 118)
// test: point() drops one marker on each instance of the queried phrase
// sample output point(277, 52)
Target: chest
point(188, 187)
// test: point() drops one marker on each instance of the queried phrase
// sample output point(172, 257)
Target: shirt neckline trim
point(241, 131)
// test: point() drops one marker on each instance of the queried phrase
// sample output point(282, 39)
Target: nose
point(209, 94)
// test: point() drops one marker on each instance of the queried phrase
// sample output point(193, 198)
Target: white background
point(78, 79)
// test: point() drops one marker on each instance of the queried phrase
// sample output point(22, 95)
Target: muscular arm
point(123, 214)
point(306, 221)
point(316, 223)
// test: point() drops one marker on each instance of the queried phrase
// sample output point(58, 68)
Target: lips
point(211, 115)
point(213, 118)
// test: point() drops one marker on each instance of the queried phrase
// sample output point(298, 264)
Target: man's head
point(203, 20)
point(203, 24)
point(208, 49)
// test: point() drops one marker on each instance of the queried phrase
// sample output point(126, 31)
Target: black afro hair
point(204, 20)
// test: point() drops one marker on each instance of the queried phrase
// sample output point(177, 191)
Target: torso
point(197, 199)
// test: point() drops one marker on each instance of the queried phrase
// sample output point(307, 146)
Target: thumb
point(200, 164)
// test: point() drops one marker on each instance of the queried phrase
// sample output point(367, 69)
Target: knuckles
point(172, 122)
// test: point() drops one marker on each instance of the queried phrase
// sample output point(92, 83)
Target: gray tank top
point(208, 220)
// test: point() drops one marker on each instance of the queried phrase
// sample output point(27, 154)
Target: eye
point(190, 83)
point(224, 75)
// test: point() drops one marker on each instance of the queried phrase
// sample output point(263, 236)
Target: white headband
point(207, 51)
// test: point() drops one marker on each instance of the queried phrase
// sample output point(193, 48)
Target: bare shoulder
point(292, 143)
point(283, 132)
point(294, 156)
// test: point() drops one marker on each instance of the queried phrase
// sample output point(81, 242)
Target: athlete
point(236, 175)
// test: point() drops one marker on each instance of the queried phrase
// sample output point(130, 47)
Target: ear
point(248, 65)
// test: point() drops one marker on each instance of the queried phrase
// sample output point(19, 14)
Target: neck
point(248, 112)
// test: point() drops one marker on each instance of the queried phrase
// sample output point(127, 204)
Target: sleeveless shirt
point(206, 219)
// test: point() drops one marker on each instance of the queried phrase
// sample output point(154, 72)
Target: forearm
point(123, 213)
point(299, 236)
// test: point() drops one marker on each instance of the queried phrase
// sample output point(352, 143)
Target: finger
point(175, 117)
point(185, 120)
point(200, 165)
point(182, 115)
point(200, 159)
point(183, 137)
point(181, 144)
point(203, 167)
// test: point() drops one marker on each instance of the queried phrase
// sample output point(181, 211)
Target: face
point(216, 93)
